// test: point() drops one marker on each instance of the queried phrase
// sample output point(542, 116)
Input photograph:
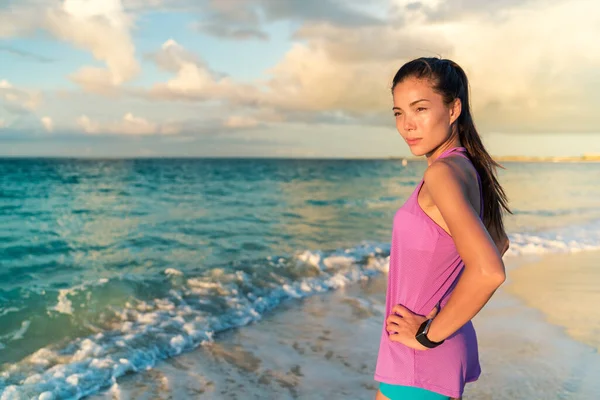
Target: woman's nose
point(409, 124)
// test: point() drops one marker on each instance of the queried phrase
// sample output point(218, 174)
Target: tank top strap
point(461, 152)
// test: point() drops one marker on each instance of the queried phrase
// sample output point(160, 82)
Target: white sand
point(566, 288)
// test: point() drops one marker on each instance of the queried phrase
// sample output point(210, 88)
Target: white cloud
point(240, 121)
point(526, 75)
point(17, 100)
point(548, 82)
point(193, 80)
point(47, 123)
point(87, 124)
point(128, 125)
point(172, 56)
point(102, 27)
point(99, 26)
point(2, 123)
point(16, 21)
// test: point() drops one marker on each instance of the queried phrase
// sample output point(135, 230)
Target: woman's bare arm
point(482, 255)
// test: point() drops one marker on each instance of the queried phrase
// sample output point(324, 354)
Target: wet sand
point(325, 347)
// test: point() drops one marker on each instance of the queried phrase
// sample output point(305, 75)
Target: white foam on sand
point(570, 239)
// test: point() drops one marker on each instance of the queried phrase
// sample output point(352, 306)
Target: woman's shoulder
point(452, 181)
point(451, 169)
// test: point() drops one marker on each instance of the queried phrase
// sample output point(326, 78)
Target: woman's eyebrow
point(411, 104)
point(417, 101)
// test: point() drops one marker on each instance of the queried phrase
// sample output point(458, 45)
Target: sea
point(111, 266)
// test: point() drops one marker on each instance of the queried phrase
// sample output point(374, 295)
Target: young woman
point(447, 240)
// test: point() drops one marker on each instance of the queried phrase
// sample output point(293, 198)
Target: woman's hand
point(402, 326)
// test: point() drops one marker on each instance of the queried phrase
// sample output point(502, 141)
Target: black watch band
point(422, 335)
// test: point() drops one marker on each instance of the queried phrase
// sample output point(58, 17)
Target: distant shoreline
point(549, 159)
point(586, 159)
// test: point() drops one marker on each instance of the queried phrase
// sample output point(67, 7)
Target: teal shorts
point(398, 392)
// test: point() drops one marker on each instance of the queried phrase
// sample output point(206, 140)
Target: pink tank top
point(424, 268)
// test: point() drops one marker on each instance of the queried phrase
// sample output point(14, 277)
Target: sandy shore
point(566, 288)
point(325, 347)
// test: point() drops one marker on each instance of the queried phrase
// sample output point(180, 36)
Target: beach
point(566, 289)
point(322, 347)
point(325, 346)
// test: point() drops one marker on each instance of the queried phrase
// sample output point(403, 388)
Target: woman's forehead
point(412, 89)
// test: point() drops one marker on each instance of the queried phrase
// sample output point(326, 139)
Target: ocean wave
point(570, 239)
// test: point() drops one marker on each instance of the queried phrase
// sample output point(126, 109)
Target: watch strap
point(422, 335)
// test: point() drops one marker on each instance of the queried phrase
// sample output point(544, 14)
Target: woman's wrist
point(433, 333)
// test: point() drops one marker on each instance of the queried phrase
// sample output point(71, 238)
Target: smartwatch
point(422, 335)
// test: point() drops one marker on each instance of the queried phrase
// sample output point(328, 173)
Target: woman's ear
point(455, 110)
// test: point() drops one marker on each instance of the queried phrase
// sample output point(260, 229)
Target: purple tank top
point(424, 268)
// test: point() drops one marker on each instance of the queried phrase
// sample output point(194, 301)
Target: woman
point(447, 240)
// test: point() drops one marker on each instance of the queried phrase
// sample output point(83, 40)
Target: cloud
point(128, 125)
point(540, 85)
point(172, 56)
point(18, 101)
point(232, 20)
point(18, 20)
point(193, 80)
point(239, 121)
point(2, 123)
point(342, 13)
point(338, 69)
point(356, 46)
point(339, 66)
point(451, 10)
point(244, 19)
point(334, 75)
point(99, 26)
point(308, 80)
point(47, 123)
point(229, 32)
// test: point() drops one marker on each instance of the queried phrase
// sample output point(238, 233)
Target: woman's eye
point(421, 109)
point(396, 114)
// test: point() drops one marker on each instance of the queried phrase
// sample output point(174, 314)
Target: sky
point(287, 78)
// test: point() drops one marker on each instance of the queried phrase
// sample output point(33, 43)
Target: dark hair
point(449, 80)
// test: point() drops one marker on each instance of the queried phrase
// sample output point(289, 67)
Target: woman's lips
point(412, 142)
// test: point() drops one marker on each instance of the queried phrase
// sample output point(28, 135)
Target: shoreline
point(320, 347)
point(325, 346)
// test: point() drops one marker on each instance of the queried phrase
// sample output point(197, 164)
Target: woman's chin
point(417, 151)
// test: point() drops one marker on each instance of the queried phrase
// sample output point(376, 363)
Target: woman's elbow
point(492, 275)
point(499, 278)
point(494, 278)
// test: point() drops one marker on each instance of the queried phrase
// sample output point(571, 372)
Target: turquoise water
point(107, 266)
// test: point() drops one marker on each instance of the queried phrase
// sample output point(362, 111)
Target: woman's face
point(422, 118)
